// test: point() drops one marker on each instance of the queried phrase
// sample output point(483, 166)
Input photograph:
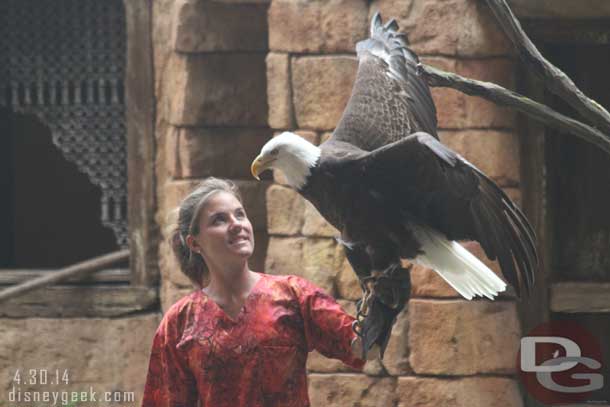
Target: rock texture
point(98, 352)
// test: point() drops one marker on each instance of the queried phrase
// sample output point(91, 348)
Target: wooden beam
point(140, 105)
point(79, 269)
point(577, 297)
point(18, 276)
point(82, 301)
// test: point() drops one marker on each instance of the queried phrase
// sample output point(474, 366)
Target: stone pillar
point(444, 350)
point(211, 111)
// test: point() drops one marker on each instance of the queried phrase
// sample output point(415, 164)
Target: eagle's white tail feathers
point(457, 266)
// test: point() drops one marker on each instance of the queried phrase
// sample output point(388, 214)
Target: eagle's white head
point(289, 153)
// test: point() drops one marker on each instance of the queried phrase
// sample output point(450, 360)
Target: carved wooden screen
point(64, 61)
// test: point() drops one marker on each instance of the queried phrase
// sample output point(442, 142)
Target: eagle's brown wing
point(389, 99)
point(436, 187)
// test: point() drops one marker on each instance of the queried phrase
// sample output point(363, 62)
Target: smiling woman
point(242, 338)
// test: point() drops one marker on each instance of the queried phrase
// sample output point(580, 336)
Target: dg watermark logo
point(561, 363)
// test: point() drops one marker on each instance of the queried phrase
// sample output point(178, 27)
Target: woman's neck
point(231, 282)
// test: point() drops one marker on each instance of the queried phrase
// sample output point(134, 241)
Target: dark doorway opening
point(49, 211)
point(579, 194)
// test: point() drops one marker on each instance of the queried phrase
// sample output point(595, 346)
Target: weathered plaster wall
point(444, 350)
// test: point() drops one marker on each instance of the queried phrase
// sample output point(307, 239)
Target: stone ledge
point(82, 301)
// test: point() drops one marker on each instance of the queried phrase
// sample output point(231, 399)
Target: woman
point(242, 338)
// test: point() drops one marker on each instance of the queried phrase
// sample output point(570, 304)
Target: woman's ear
point(193, 244)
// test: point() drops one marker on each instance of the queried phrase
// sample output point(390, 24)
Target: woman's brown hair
point(192, 264)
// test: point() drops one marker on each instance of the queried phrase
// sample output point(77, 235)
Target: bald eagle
point(394, 192)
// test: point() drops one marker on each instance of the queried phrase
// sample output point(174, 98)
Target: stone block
point(455, 337)
point(316, 225)
point(340, 390)
point(321, 88)
point(285, 211)
point(204, 152)
point(456, 110)
point(396, 358)
point(279, 91)
point(348, 285)
point(496, 153)
point(318, 363)
point(101, 352)
point(462, 392)
point(447, 27)
point(321, 262)
point(220, 89)
point(205, 26)
point(308, 26)
point(316, 260)
point(285, 256)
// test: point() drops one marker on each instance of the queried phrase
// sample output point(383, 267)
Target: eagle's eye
point(274, 152)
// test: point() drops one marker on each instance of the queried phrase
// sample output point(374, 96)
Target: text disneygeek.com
point(42, 388)
point(18, 397)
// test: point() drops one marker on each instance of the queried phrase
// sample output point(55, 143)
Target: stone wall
point(230, 73)
point(108, 355)
point(210, 87)
point(444, 350)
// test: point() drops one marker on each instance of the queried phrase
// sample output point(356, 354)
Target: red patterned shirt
point(255, 360)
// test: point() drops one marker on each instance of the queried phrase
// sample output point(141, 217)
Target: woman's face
point(225, 232)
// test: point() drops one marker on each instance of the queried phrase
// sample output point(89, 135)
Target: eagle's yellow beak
point(260, 164)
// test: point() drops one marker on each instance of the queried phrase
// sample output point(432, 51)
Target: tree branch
point(554, 79)
point(501, 96)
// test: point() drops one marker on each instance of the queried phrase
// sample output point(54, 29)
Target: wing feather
point(389, 99)
point(458, 200)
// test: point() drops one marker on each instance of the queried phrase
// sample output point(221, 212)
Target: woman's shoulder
point(295, 284)
point(183, 306)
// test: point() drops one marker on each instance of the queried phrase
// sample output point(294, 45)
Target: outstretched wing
point(434, 186)
point(389, 99)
